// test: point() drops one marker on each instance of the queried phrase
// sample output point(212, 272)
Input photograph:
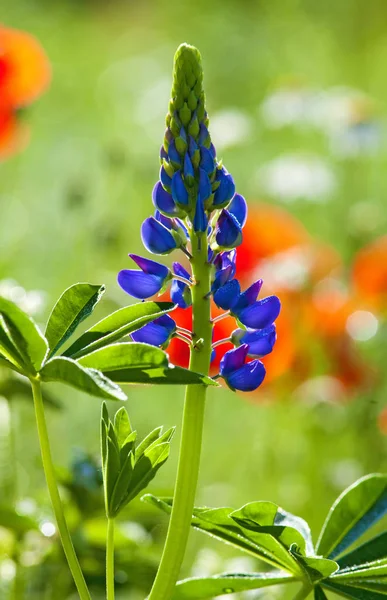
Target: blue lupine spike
point(247, 378)
point(166, 221)
point(213, 151)
point(163, 201)
point(227, 295)
point(200, 221)
point(260, 314)
point(163, 153)
point(178, 269)
point(157, 333)
point(145, 283)
point(173, 154)
point(206, 160)
point(260, 342)
point(249, 296)
point(165, 179)
point(192, 146)
point(238, 208)
point(228, 232)
point(168, 135)
point(183, 227)
point(222, 277)
point(180, 292)
point(179, 191)
point(226, 189)
point(156, 237)
point(205, 189)
point(188, 167)
point(203, 134)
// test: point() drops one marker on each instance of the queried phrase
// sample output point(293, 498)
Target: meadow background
point(296, 90)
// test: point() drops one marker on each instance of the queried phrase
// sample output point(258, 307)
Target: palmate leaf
point(24, 335)
point(319, 593)
point(74, 306)
point(227, 583)
point(91, 381)
point(349, 591)
point(262, 544)
point(369, 576)
point(117, 325)
point(374, 549)
point(355, 511)
point(316, 568)
point(135, 362)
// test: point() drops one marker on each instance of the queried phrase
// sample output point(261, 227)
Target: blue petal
point(165, 179)
point(200, 221)
point(233, 360)
point(179, 191)
point(139, 284)
point(183, 134)
point(163, 201)
point(228, 231)
point(151, 267)
point(222, 277)
point(206, 160)
point(192, 147)
point(203, 133)
point(248, 378)
point(226, 189)
point(238, 208)
point(157, 238)
point(180, 294)
point(249, 296)
point(163, 153)
point(226, 296)
point(188, 168)
point(260, 314)
point(156, 333)
point(173, 154)
point(260, 342)
point(213, 151)
point(166, 221)
point(205, 189)
point(180, 270)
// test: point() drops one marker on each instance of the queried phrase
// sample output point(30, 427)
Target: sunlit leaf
point(374, 549)
point(117, 325)
point(355, 511)
point(315, 567)
point(199, 588)
point(24, 335)
point(75, 304)
point(353, 592)
point(90, 381)
point(319, 593)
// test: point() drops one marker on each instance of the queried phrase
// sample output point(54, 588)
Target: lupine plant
point(200, 217)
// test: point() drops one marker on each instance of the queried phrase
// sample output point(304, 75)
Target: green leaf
point(267, 517)
point(112, 471)
point(375, 571)
point(218, 523)
point(90, 381)
point(122, 426)
point(170, 375)
point(226, 583)
point(11, 357)
point(74, 306)
point(148, 440)
point(374, 549)
point(146, 468)
point(355, 511)
point(319, 593)
point(121, 487)
point(115, 326)
point(25, 335)
point(353, 592)
point(316, 568)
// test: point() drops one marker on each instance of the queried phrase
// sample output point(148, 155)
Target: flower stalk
point(56, 502)
point(110, 560)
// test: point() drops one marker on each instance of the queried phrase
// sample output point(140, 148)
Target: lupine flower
point(24, 75)
point(195, 193)
point(147, 282)
point(238, 374)
point(260, 342)
point(180, 292)
point(157, 333)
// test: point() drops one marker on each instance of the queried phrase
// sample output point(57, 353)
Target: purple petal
point(260, 314)
point(173, 154)
point(205, 189)
point(226, 189)
point(249, 296)
point(248, 378)
point(233, 360)
point(180, 270)
point(179, 191)
point(260, 342)
point(200, 221)
point(156, 333)
point(227, 295)
point(238, 208)
point(206, 161)
point(151, 267)
point(157, 238)
point(228, 231)
point(139, 284)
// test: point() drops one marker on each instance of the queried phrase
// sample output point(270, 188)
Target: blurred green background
point(71, 206)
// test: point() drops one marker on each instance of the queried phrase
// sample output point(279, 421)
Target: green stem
point(110, 560)
point(49, 472)
point(191, 435)
point(304, 592)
